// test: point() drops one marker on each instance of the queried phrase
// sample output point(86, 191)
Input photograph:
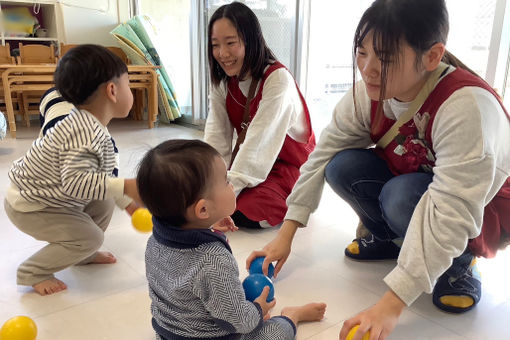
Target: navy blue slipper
point(458, 294)
point(370, 249)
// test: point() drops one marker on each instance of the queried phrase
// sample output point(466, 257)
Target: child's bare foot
point(103, 257)
point(309, 312)
point(49, 286)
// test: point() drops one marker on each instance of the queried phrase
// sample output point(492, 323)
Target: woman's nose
point(371, 67)
point(223, 51)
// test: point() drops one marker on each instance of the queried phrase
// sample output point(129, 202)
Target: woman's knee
point(341, 168)
point(399, 197)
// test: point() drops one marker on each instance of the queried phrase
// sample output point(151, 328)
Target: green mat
point(137, 39)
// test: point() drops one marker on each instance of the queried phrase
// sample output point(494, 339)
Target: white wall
point(90, 21)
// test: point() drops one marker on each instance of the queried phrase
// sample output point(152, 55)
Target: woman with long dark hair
point(274, 132)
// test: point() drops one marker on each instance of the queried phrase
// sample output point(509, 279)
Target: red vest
point(292, 152)
point(412, 150)
point(267, 201)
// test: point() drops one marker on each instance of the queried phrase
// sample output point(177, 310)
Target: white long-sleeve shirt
point(280, 113)
point(471, 138)
point(68, 167)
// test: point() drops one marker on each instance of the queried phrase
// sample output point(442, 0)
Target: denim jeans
point(384, 202)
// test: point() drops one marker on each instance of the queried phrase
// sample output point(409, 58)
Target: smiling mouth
point(228, 63)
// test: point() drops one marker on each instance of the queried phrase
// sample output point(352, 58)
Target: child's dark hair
point(174, 175)
point(257, 53)
point(83, 68)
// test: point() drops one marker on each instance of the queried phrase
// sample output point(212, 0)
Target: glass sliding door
point(171, 19)
point(470, 33)
point(329, 76)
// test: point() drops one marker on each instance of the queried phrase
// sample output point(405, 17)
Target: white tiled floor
point(111, 301)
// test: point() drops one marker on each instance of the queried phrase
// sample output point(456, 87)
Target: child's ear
point(111, 91)
point(201, 209)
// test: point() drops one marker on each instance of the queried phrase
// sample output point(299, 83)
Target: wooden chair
point(120, 53)
point(5, 55)
point(6, 58)
point(19, 78)
point(34, 54)
point(64, 48)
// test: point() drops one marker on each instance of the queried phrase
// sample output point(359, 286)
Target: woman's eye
point(385, 61)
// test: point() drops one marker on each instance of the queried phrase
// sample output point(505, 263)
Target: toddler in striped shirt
point(63, 190)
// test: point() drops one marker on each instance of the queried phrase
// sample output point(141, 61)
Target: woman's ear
point(433, 56)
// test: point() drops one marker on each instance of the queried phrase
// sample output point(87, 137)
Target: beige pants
point(74, 236)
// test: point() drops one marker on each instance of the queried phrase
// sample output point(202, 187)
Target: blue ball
point(256, 267)
point(254, 284)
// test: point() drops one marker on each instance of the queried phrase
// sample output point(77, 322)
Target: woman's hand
point(225, 224)
point(379, 319)
point(276, 250)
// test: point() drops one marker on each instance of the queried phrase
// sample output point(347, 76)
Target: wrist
point(394, 302)
point(288, 230)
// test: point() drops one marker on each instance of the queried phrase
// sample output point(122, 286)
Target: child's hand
point(224, 225)
point(130, 209)
point(131, 190)
point(266, 306)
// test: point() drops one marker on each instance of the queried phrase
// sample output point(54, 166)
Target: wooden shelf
point(48, 16)
point(31, 39)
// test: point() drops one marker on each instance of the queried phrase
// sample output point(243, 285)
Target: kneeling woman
point(255, 95)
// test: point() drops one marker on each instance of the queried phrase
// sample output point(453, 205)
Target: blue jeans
point(384, 202)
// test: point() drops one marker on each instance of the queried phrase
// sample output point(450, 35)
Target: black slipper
point(370, 249)
point(467, 284)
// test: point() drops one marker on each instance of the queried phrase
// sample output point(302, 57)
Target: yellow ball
point(19, 328)
point(142, 220)
point(353, 330)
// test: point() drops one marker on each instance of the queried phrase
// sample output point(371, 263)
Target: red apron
point(409, 152)
point(266, 201)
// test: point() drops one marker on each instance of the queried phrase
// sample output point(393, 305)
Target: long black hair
point(420, 23)
point(257, 53)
